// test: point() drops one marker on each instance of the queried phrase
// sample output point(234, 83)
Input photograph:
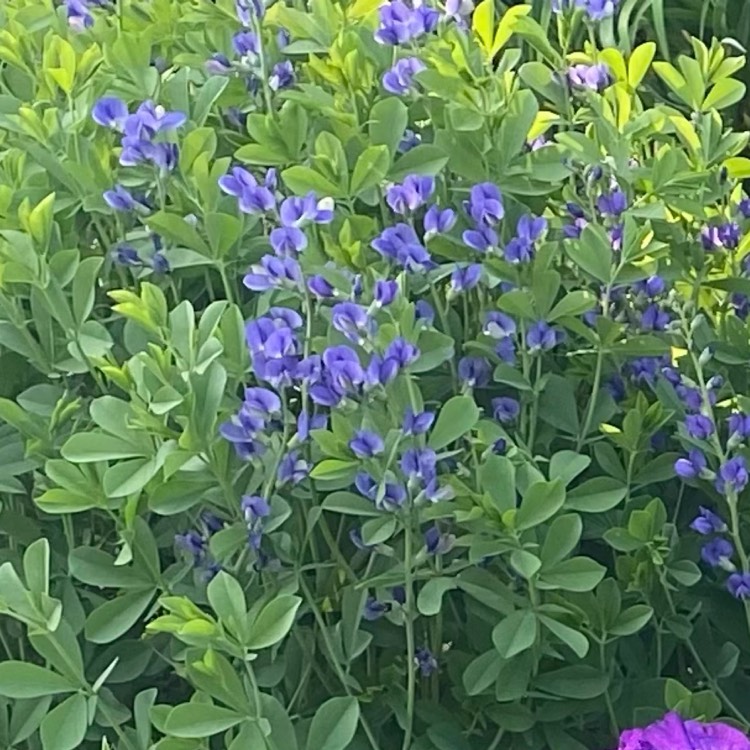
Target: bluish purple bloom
point(218, 65)
point(120, 199)
point(342, 375)
point(366, 444)
point(417, 424)
point(159, 263)
point(255, 507)
point(401, 244)
point(126, 255)
point(466, 278)
point(409, 141)
point(732, 476)
point(499, 447)
point(400, 78)
point(237, 181)
point(292, 468)
point(381, 371)
point(424, 311)
point(150, 119)
point(653, 318)
point(485, 204)
point(717, 553)
point(650, 287)
point(506, 409)
point(594, 77)
point(282, 76)
point(299, 210)
point(699, 426)
point(419, 464)
point(110, 112)
point(400, 23)
point(352, 320)
point(744, 208)
point(438, 221)
point(163, 155)
point(542, 337)
point(498, 325)
point(262, 402)
point(374, 609)
point(273, 272)
point(521, 248)
point(474, 372)
point(283, 37)
point(506, 350)
point(730, 235)
point(598, 10)
point(482, 239)
point(437, 543)
point(739, 424)
point(403, 351)
point(612, 204)
point(517, 251)
point(741, 304)
point(320, 287)
point(246, 43)
point(425, 661)
point(690, 397)
point(194, 543)
point(389, 496)
point(738, 585)
point(410, 195)
point(355, 535)
point(287, 241)
point(385, 292)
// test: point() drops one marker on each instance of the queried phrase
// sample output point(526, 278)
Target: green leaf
point(22, 680)
point(561, 538)
point(350, 504)
point(194, 720)
point(592, 252)
point(639, 63)
point(498, 478)
point(370, 169)
point(334, 725)
point(631, 620)
point(425, 159)
point(540, 502)
point(388, 120)
point(725, 93)
point(576, 640)
point(482, 672)
point(115, 617)
point(177, 230)
point(457, 417)
point(301, 180)
point(596, 495)
point(89, 447)
point(573, 303)
point(227, 598)
point(558, 405)
point(430, 598)
point(273, 622)
point(515, 633)
point(84, 288)
point(64, 727)
point(578, 682)
point(575, 574)
point(567, 465)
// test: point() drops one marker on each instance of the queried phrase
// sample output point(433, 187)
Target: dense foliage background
point(372, 376)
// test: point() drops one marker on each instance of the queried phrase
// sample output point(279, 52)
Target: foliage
point(361, 394)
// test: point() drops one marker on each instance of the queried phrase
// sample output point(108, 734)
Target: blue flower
point(400, 23)
point(355, 535)
point(400, 78)
point(505, 409)
point(366, 444)
point(650, 287)
point(437, 543)
point(732, 476)
point(381, 371)
point(401, 244)
point(419, 464)
point(412, 194)
point(466, 278)
point(424, 311)
point(110, 112)
point(287, 241)
point(126, 255)
point(744, 208)
point(699, 426)
point(474, 372)
point(425, 661)
point(485, 204)
point(262, 402)
point(653, 318)
point(385, 292)
point(408, 141)
point(374, 609)
point(352, 320)
point(417, 424)
point(273, 272)
point(612, 204)
point(403, 351)
point(193, 543)
point(739, 424)
point(292, 469)
point(218, 65)
point(150, 119)
point(598, 10)
point(120, 199)
point(738, 585)
point(159, 263)
point(542, 337)
point(79, 16)
point(498, 325)
point(282, 76)
point(320, 287)
point(692, 466)
point(482, 239)
point(246, 43)
point(299, 210)
point(438, 221)
point(717, 553)
point(595, 77)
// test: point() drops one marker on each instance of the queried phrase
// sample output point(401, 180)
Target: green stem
point(411, 673)
point(607, 697)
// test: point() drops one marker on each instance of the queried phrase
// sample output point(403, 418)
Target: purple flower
point(653, 318)
point(612, 204)
point(298, 210)
point(506, 409)
point(485, 204)
point(417, 424)
point(288, 241)
point(699, 426)
point(237, 181)
point(273, 272)
point(474, 372)
point(246, 43)
point(531, 228)
point(400, 78)
point(78, 14)
point(482, 239)
point(283, 37)
point(193, 543)
point(352, 320)
point(120, 199)
point(402, 351)
point(400, 23)
point(424, 311)
point(518, 251)
point(419, 464)
point(738, 585)
point(650, 287)
point(343, 375)
point(437, 543)
point(466, 278)
point(425, 661)
point(438, 221)
point(366, 444)
point(674, 733)
point(385, 292)
point(292, 468)
point(282, 76)
point(412, 194)
point(542, 337)
point(744, 208)
point(732, 476)
point(261, 402)
point(218, 65)
point(110, 112)
point(594, 77)
point(355, 535)
point(739, 424)
point(409, 140)
point(126, 255)
point(730, 235)
point(498, 325)
point(401, 244)
point(717, 553)
point(598, 10)
point(692, 466)
point(506, 350)
point(374, 609)
point(320, 287)
point(381, 371)
point(254, 507)
point(150, 119)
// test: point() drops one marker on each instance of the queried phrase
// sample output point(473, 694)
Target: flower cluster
point(195, 544)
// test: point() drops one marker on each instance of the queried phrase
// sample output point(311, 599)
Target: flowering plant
point(376, 377)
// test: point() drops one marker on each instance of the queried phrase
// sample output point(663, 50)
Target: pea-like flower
point(732, 476)
point(366, 444)
point(692, 466)
point(400, 78)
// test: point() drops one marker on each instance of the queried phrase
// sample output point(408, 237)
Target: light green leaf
point(334, 725)
point(22, 680)
point(457, 417)
point(273, 622)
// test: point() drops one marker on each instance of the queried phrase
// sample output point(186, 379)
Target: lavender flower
point(474, 372)
point(593, 77)
point(425, 661)
point(485, 204)
point(466, 278)
point(292, 469)
point(483, 239)
point(385, 292)
point(110, 112)
point(297, 211)
point(400, 78)
point(366, 444)
point(542, 337)
point(437, 221)
point(320, 287)
point(699, 426)
point(352, 320)
point(120, 199)
point(282, 76)
point(692, 466)
point(498, 325)
point(412, 194)
point(674, 733)
point(417, 424)
point(374, 609)
point(287, 241)
point(738, 585)
point(246, 44)
point(717, 553)
point(505, 409)
point(732, 476)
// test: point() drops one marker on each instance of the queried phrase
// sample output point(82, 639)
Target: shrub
point(367, 375)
